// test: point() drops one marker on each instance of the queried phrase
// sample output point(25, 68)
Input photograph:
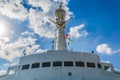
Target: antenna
point(60, 23)
point(53, 44)
point(61, 3)
point(24, 52)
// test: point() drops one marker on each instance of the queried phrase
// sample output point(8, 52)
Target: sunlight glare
point(2, 29)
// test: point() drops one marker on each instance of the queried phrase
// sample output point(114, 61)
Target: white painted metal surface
point(62, 72)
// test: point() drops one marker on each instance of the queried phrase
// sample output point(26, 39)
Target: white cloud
point(116, 51)
point(12, 32)
point(2, 72)
point(77, 31)
point(40, 24)
point(44, 4)
point(12, 50)
point(4, 26)
point(104, 49)
point(38, 19)
point(3, 41)
point(13, 9)
point(27, 33)
point(10, 64)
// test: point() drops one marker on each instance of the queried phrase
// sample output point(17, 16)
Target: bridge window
point(56, 64)
point(108, 68)
point(11, 72)
point(99, 65)
point(90, 64)
point(35, 65)
point(68, 63)
point(24, 67)
point(79, 64)
point(46, 64)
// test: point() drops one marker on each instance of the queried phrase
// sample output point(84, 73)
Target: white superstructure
point(61, 64)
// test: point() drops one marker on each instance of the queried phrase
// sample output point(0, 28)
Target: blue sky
point(25, 28)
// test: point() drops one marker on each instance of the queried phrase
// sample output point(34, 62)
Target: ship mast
point(60, 22)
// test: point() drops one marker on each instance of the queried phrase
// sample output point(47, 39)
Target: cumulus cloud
point(38, 19)
point(27, 33)
point(4, 26)
point(3, 41)
point(13, 9)
point(40, 24)
point(12, 50)
point(104, 49)
point(44, 4)
point(77, 31)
